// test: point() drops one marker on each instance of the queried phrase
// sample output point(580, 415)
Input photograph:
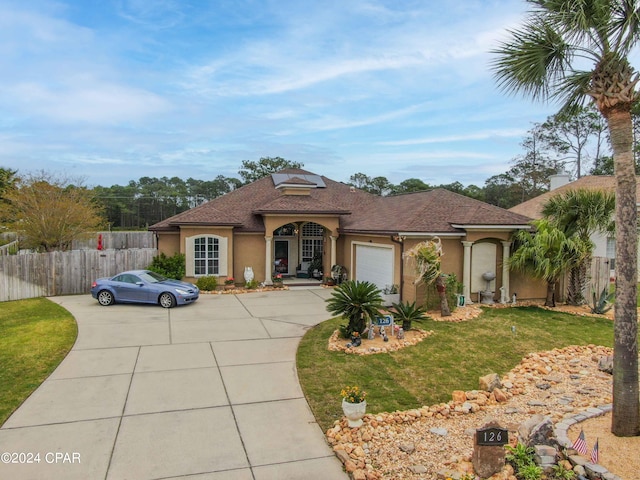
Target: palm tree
point(581, 212)
point(358, 302)
point(546, 253)
point(545, 59)
point(426, 257)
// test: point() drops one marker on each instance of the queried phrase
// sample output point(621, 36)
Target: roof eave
point(302, 213)
point(431, 234)
point(496, 227)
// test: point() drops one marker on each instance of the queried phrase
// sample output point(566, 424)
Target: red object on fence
point(99, 241)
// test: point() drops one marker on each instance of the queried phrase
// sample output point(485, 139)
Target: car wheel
point(105, 298)
point(167, 300)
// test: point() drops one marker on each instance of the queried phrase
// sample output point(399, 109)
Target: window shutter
point(189, 260)
point(222, 260)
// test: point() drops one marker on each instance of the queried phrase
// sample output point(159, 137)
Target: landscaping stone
point(605, 364)
point(437, 454)
point(489, 382)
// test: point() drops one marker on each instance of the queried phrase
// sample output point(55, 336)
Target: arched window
point(206, 255)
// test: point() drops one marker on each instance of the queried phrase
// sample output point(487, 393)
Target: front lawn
point(451, 359)
point(35, 336)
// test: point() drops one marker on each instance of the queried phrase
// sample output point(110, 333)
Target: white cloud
point(90, 102)
point(483, 135)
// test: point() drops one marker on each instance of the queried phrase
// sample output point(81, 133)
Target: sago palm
point(357, 301)
point(570, 51)
point(581, 213)
point(407, 313)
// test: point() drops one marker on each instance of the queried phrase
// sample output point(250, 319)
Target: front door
point(281, 256)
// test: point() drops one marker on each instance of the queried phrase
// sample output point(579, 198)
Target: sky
point(111, 91)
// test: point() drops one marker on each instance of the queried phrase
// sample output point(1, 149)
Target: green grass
point(35, 335)
point(451, 359)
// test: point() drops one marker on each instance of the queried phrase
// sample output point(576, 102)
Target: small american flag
point(594, 453)
point(580, 445)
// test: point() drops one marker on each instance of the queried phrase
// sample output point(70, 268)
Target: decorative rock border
point(561, 428)
point(413, 337)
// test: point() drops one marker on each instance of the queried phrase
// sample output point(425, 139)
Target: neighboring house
point(280, 223)
point(604, 244)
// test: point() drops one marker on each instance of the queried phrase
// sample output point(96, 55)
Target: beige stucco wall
point(527, 288)
point(249, 252)
point(169, 243)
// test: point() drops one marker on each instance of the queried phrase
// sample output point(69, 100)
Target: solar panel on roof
point(279, 178)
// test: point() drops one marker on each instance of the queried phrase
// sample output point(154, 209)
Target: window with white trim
point(311, 247)
point(312, 241)
point(206, 255)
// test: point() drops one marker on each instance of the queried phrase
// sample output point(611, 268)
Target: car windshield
point(152, 277)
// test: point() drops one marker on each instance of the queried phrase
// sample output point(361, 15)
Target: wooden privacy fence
point(117, 240)
point(599, 277)
point(64, 273)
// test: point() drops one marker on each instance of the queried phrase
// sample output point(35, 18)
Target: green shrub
point(521, 458)
point(252, 285)
point(560, 472)
point(406, 313)
point(170, 267)
point(356, 301)
point(208, 283)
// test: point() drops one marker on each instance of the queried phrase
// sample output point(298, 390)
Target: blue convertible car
point(143, 286)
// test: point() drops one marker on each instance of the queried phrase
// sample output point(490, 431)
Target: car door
point(130, 288)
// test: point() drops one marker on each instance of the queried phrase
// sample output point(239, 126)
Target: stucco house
point(280, 223)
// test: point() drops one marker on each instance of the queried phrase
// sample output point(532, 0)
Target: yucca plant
point(356, 301)
point(603, 304)
point(407, 313)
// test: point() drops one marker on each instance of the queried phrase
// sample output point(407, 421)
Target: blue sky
point(114, 90)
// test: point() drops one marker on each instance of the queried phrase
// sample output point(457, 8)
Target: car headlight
point(182, 292)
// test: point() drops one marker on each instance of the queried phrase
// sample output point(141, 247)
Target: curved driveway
point(207, 391)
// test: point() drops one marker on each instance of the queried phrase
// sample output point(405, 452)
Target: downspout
point(400, 241)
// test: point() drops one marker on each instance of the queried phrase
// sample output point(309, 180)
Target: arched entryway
point(298, 250)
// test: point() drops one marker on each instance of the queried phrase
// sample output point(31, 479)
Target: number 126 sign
point(492, 436)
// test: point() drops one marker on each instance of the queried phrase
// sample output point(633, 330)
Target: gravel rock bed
point(434, 441)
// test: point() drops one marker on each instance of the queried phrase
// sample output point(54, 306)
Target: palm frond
point(533, 60)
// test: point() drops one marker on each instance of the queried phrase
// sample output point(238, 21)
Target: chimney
point(556, 181)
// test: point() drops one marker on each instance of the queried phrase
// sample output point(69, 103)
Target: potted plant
point(354, 405)
point(229, 283)
point(329, 281)
point(390, 295)
point(277, 280)
point(315, 266)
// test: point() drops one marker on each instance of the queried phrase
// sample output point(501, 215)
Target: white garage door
point(375, 265)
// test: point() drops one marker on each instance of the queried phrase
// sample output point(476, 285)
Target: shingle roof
point(434, 211)
point(533, 208)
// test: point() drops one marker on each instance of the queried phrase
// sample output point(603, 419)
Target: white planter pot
point(390, 298)
point(354, 412)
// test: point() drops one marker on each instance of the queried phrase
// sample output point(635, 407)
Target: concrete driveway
point(208, 391)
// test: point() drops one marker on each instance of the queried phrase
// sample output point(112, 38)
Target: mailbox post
point(488, 449)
